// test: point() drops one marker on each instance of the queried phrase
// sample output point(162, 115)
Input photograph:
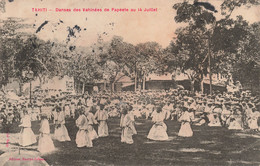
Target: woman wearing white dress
point(102, 116)
point(61, 132)
point(215, 120)
point(27, 136)
point(158, 131)
point(252, 121)
point(91, 121)
point(72, 109)
point(82, 137)
point(186, 119)
point(235, 119)
point(67, 110)
point(45, 142)
point(127, 125)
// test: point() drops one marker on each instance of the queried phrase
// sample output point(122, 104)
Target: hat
point(43, 114)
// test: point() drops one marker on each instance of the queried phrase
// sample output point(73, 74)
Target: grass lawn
point(208, 146)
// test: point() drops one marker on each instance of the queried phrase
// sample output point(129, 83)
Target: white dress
point(102, 116)
point(235, 123)
point(215, 121)
point(158, 130)
point(82, 137)
point(45, 142)
point(128, 129)
point(252, 122)
point(92, 132)
point(61, 132)
point(185, 130)
point(27, 136)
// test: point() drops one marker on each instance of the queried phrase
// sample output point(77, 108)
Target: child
point(45, 142)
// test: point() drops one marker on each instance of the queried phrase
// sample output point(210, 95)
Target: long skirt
point(252, 124)
point(235, 125)
point(185, 130)
point(126, 135)
point(83, 139)
point(215, 122)
point(27, 137)
point(158, 132)
point(102, 129)
point(92, 132)
point(61, 133)
point(45, 144)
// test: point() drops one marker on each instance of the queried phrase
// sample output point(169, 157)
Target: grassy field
point(208, 146)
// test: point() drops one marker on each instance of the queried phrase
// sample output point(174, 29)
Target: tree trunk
point(135, 78)
point(74, 85)
point(202, 86)
point(105, 86)
point(40, 79)
point(144, 82)
point(210, 74)
point(78, 87)
point(113, 86)
point(192, 85)
point(20, 88)
point(83, 88)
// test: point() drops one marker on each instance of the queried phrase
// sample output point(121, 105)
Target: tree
point(204, 36)
point(24, 52)
point(149, 59)
point(120, 60)
point(11, 39)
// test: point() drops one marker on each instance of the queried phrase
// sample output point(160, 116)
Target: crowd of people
point(235, 111)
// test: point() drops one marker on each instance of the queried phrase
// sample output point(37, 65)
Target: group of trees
point(227, 46)
point(208, 44)
point(24, 53)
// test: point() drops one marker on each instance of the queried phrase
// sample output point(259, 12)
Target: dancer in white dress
point(158, 131)
point(45, 142)
point(82, 137)
point(91, 121)
point(186, 119)
point(252, 121)
point(101, 115)
point(67, 110)
point(127, 125)
point(235, 120)
point(61, 132)
point(27, 136)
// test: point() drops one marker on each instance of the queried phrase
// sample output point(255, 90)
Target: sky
point(135, 27)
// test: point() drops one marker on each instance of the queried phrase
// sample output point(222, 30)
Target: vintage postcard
point(129, 82)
